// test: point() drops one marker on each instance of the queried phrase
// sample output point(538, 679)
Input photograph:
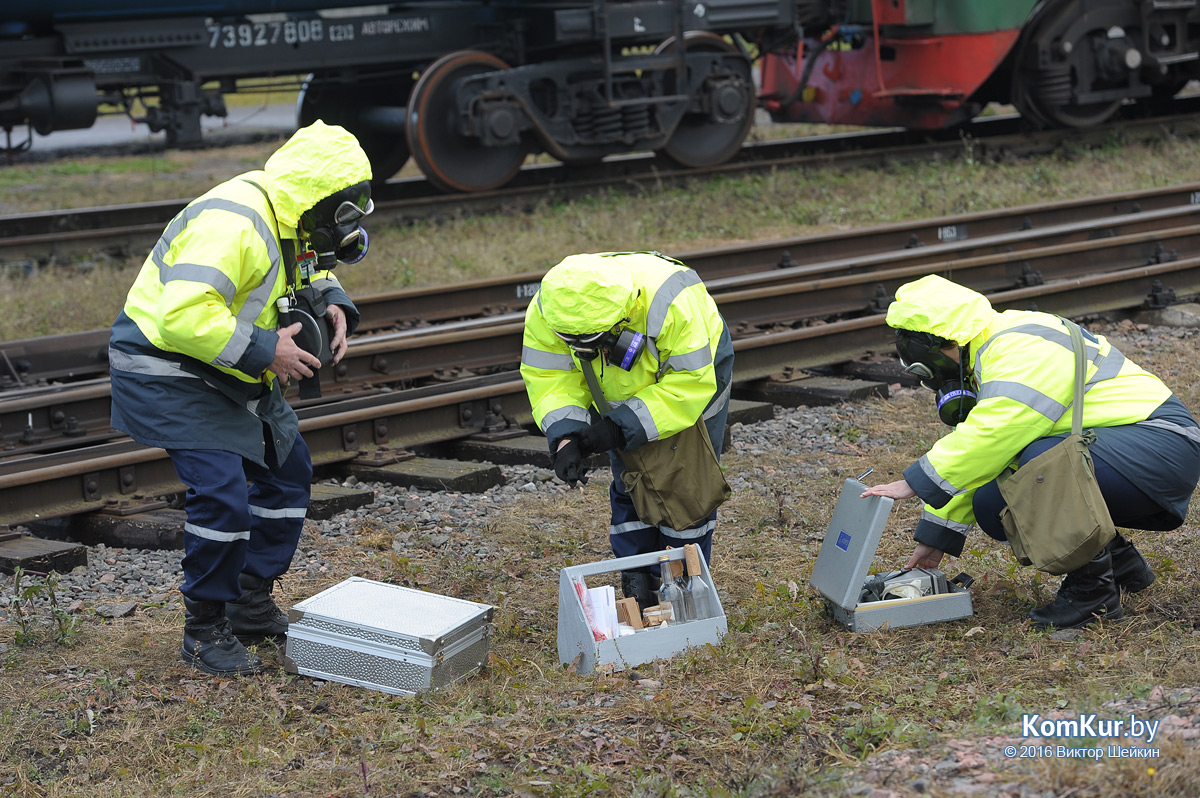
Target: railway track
point(61, 359)
point(803, 315)
point(125, 230)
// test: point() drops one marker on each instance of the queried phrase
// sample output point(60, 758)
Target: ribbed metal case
point(387, 637)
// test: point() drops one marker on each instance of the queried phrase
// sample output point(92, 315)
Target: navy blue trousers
point(629, 535)
point(240, 517)
point(1128, 505)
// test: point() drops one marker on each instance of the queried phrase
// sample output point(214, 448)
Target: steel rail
point(126, 229)
point(42, 420)
point(80, 355)
point(46, 486)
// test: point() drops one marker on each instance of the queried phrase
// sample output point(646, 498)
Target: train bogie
point(930, 64)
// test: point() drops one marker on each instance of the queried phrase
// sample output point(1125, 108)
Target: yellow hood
point(317, 161)
point(935, 305)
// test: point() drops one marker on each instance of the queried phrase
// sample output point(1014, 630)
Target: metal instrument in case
point(892, 600)
point(387, 637)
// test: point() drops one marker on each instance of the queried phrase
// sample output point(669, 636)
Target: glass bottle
point(669, 594)
point(698, 590)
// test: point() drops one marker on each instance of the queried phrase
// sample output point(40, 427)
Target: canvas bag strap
point(589, 374)
point(1080, 376)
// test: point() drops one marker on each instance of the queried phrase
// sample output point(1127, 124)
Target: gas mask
point(620, 345)
point(331, 227)
point(921, 355)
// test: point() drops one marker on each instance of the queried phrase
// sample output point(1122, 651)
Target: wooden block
point(155, 529)
point(742, 411)
point(524, 450)
point(812, 391)
point(431, 474)
point(628, 613)
point(35, 554)
point(329, 500)
point(888, 371)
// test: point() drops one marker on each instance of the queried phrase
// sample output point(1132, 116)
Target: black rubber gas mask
point(921, 355)
point(331, 227)
point(620, 345)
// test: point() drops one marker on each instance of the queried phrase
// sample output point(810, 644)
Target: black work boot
point(254, 614)
point(1086, 593)
point(1130, 569)
point(210, 645)
point(641, 586)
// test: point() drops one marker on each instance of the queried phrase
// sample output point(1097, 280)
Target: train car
point(929, 64)
point(468, 88)
point(465, 87)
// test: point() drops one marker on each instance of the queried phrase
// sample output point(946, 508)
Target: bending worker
point(645, 325)
point(1021, 366)
point(197, 358)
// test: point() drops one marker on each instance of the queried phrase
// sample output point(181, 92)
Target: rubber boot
point(209, 644)
point(1130, 569)
point(641, 586)
point(254, 614)
point(1086, 594)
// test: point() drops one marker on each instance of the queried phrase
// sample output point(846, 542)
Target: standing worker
point(1006, 382)
point(647, 328)
point(198, 355)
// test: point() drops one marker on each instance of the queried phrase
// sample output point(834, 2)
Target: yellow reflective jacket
point(1023, 363)
point(200, 321)
point(208, 288)
point(686, 365)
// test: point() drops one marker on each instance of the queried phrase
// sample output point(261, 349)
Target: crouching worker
point(1006, 382)
point(648, 332)
point(197, 358)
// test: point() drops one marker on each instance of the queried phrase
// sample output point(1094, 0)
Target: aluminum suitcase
point(387, 637)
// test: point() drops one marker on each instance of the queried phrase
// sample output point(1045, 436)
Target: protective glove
point(569, 465)
point(601, 436)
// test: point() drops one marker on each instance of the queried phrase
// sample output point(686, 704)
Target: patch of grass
point(721, 210)
point(789, 704)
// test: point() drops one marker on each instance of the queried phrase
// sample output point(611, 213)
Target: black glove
point(569, 465)
point(601, 436)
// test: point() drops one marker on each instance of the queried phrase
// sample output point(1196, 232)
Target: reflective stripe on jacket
point(669, 386)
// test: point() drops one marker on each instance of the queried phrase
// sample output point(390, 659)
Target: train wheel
point(342, 105)
point(713, 137)
point(1043, 93)
point(449, 159)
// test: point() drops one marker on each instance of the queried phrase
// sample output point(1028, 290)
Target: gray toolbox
point(575, 635)
point(893, 600)
point(386, 637)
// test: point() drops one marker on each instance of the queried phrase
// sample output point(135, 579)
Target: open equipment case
point(862, 603)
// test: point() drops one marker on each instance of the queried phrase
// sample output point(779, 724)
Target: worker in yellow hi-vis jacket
point(237, 296)
point(649, 331)
point(1006, 383)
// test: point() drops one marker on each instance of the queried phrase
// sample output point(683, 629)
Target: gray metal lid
point(854, 534)
point(390, 608)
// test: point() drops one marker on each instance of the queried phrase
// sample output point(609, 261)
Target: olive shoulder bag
point(1056, 518)
point(675, 481)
